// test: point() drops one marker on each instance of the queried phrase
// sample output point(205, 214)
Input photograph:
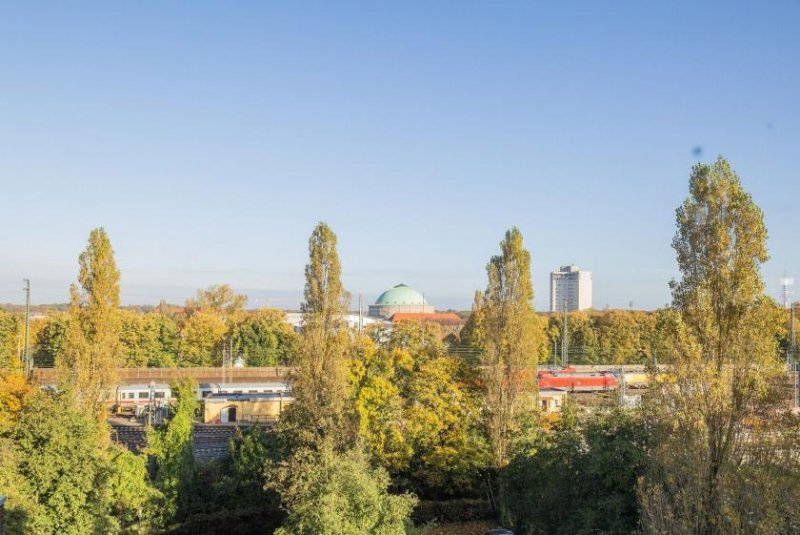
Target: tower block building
point(570, 288)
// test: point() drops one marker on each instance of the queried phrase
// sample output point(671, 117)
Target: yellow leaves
point(402, 360)
point(201, 336)
point(14, 393)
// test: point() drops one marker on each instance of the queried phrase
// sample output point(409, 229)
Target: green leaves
point(723, 342)
point(513, 337)
point(172, 448)
point(418, 412)
point(579, 477)
point(264, 338)
point(63, 477)
point(320, 383)
point(330, 493)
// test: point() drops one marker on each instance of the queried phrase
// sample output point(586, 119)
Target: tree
point(148, 339)
point(219, 298)
point(166, 341)
point(625, 336)
point(583, 342)
point(15, 392)
point(173, 450)
point(51, 340)
point(418, 411)
point(228, 494)
point(330, 493)
point(320, 383)
point(9, 340)
point(580, 476)
point(473, 334)
point(513, 341)
point(134, 504)
point(264, 338)
point(93, 352)
point(62, 477)
point(723, 405)
point(201, 341)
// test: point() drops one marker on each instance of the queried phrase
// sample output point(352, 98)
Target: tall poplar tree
point(93, 350)
point(721, 441)
point(320, 382)
point(512, 340)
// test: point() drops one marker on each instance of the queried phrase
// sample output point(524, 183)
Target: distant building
point(571, 287)
point(551, 399)
point(245, 407)
point(400, 299)
point(295, 319)
point(403, 303)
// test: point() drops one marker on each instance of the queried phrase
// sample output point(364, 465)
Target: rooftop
point(401, 295)
point(438, 317)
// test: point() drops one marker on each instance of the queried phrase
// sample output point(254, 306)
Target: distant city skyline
point(209, 139)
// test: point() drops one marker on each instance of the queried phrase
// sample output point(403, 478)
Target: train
point(128, 397)
point(579, 382)
point(591, 381)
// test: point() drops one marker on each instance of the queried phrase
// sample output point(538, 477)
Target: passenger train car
point(128, 397)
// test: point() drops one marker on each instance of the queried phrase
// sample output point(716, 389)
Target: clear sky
point(209, 137)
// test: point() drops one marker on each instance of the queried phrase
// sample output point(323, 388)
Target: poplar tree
point(473, 335)
point(92, 353)
point(721, 425)
point(320, 381)
point(512, 340)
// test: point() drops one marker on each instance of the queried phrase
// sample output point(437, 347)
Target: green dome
point(401, 295)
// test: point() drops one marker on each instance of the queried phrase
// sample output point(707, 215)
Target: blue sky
point(209, 137)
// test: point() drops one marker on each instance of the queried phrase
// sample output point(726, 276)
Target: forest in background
point(216, 321)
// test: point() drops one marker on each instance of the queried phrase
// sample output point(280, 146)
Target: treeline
point(197, 334)
point(605, 337)
point(389, 430)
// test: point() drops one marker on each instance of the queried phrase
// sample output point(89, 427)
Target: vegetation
point(173, 450)
point(418, 411)
point(92, 348)
point(580, 477)
point(724, 406)
point(326, 492)
point(513, 339)
point(389, 420)
point(61, 474)
point(10, 340)
point(319, 385)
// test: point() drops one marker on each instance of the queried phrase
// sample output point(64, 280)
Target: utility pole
point(360, 314)
point(564, 338)
point(786, 286)
point(793, 349)
point(791, 358)
point(26, 355)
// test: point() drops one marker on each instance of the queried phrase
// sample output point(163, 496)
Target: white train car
point(134, 398)
point(128, 397)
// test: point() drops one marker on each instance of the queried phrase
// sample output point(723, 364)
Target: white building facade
point(570, 287)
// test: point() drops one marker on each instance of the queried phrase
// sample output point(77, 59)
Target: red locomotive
point(577, 382)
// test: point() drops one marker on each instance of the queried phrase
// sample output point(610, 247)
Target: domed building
point(400, 299)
